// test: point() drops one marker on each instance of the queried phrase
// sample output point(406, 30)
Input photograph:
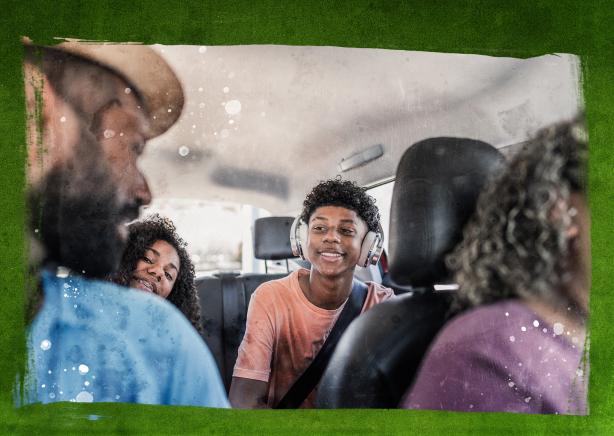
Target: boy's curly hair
point(337, 192)
point(143, 234)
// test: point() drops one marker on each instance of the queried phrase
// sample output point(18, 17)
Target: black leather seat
point(437, 184)
point(224, 298)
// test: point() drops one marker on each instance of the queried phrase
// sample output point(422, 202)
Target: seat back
point(437, 184)
point(224, 298)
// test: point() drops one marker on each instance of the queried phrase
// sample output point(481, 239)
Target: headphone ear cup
point(302, 233)
point(371, 248)
point(366, 248)
point(298, 237)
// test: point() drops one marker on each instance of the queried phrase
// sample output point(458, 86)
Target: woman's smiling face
point(157, 270)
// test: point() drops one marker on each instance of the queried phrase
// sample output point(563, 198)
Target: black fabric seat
point(437, 184)
point(224, 298)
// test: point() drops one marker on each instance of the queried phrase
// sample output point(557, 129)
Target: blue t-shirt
point(96, 341)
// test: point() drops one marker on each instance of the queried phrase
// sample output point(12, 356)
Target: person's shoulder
point(379, 292)
point(276, 288)
point(143, 313)
point(492, 324)
point(495, 314)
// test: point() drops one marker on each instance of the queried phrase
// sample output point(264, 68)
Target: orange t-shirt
point(285, 331)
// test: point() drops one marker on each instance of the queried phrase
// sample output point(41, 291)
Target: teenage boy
point(289, 319)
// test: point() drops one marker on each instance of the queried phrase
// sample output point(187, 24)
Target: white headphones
point(370, 250)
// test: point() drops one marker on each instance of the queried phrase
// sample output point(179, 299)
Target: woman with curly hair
point(156, 260)
point(524, 274)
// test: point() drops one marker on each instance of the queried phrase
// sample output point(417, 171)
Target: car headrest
point(272, 238)
point(437, 184)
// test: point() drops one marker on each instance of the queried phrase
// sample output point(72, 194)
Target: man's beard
point(77, 213)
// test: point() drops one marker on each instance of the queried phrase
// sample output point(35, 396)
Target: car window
point(219, 235)
point(383, 198)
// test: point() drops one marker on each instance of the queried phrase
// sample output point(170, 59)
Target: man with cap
point(91, 108)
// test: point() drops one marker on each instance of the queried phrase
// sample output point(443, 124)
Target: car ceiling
point(262, 124)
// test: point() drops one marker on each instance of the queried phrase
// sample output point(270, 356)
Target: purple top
point(503, 358)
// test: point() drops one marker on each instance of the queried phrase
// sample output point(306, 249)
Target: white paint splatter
point(45, 344)
point(512, 339)
point(83, 369)
point(183, 151)
point(202, 49)
point(233, 107)
point(62, 119)
point(108, 134)
point(536, 323)
point(558, 328)
point(62, 272)
point(523, 328)
point(84, 397)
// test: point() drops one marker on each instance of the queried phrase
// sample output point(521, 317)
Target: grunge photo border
point(516, 29)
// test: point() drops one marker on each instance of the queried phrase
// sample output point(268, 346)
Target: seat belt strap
point(233, 311)
point(308, 380)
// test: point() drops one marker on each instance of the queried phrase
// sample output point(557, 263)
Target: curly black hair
point(142, 234)
point(344, 193)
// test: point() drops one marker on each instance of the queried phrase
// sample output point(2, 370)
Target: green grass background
point(498, 28)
